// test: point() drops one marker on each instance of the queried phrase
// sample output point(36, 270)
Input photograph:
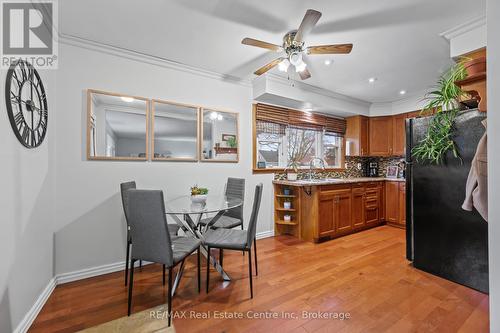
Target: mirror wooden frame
point(200, 152)
point(90, 92)
point(198, 141)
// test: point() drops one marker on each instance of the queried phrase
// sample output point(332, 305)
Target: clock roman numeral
point(19, 119)
point(19, 82)
point(24, 72)
point(25, 134)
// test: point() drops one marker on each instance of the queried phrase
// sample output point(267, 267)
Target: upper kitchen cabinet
point(399, 134)
point(381, 137)
point(357, 133)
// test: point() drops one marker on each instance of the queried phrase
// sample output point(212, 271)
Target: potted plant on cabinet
point(292, 170)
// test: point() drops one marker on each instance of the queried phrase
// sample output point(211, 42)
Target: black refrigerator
point(442, 238)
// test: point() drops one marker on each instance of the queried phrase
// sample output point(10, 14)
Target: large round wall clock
point(26, 104)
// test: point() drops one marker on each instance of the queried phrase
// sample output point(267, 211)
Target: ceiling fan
point(294, 47)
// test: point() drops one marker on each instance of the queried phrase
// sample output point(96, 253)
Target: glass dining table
point(213, 207)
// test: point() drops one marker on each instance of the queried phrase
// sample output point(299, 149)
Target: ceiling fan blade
point(261, 44)
point(268, 66)
point(330, 49)
point(308, 22)
point(305, 74)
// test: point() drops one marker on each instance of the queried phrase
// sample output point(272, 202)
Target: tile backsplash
point(351, 168)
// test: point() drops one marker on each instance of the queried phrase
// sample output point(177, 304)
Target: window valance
point(287, 117)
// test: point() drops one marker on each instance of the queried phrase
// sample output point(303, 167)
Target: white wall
point(89, 219)
point(494, 160)
point(26, 206)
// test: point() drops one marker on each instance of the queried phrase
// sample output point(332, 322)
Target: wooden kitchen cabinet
point(395, 203)
point(326, 220)
point(322, 212)
point(373, 199)
point(402, 204)
point(334, 212)
point(381, 136)
point(357, 132)
point(342, 212)
point(358, 207)
point(391, 202)
point(399, 134)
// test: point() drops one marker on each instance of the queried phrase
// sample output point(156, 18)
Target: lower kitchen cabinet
point(395, 203)
point(334, 212)
point(322, 212)
point(402, 204)
point(358, 207)
point(373, 201)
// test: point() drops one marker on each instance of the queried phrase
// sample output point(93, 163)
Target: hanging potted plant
point(445, 100)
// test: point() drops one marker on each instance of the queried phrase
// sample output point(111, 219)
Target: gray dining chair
point(235, 187)
point(233, 239)
point(172, 228)
point(152, 240)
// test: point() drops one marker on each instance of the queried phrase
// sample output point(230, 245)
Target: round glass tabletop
point(213, 204)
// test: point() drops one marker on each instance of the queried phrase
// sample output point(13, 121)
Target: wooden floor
point(365, 275)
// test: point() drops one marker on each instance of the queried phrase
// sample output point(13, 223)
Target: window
point(277, 150)
point(284, 136)
point(332, 150)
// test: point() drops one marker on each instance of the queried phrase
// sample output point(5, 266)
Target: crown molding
point(464, 28)
point(317, 90)
point(88, 44)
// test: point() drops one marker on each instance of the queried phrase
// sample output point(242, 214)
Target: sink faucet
point(311, 165)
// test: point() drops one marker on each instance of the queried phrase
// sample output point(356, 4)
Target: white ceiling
point(396, 41)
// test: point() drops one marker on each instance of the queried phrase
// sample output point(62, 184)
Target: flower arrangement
point(198, 194)
point(195, 190)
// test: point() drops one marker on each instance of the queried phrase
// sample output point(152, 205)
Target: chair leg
point(255, 252)
point(221, 257)
point(208, 267)
point(198, 258)
point(250, 271)
point(130, 286)
point(169, 297)
point(164, 268)
point(242, 252)
point(127, 258)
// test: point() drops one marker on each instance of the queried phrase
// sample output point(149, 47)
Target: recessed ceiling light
point(127, 99)
point(402, 92)
point(328, 62)
point(372, 79)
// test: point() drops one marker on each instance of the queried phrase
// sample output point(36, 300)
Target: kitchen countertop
point(333, 181)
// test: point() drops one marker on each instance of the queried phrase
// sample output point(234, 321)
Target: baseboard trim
point(31, 315)
point(85, 273)
point(93, 271)
point(264, 234)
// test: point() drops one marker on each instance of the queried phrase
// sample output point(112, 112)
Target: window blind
point(287, 117)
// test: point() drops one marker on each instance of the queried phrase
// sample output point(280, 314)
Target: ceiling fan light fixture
point(300, 67)
point(283, 66)
point(296, 58)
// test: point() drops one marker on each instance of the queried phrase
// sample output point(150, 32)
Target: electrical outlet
point(359, 166)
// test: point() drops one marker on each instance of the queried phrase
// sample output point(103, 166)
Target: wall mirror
point(220, 139)
point(117, 126)
point(175, 131)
